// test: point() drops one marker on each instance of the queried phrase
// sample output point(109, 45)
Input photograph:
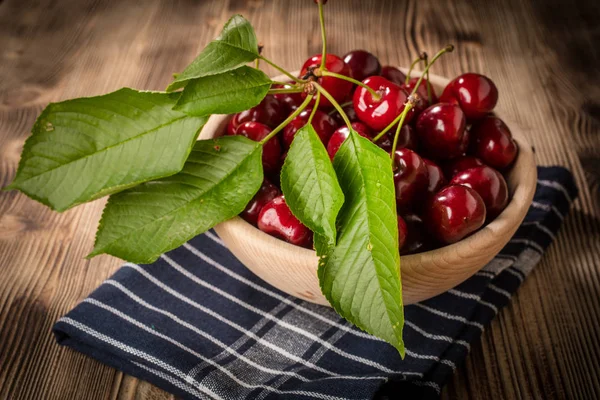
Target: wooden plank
point(543, 55)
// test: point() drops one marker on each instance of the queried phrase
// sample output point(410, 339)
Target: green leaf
point(219, 178)
point(86, 148)
point(226, 93)
point(311, 188)
point(361, 276)
point(234, 47)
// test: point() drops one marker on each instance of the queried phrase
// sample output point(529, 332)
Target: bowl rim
point(521, 196)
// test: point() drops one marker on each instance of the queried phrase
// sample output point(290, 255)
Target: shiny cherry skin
point(410, 178)
point(402, 232)
point(362, 64)
point(461, 163)
point(415, 238)
point(337, 88)
point(476, 94)
point(393, 74)
point(442, 131)
point(269, 112)
point(265, 194)
point(489, 184)
point(277, 220)
point(340, 135)
point(493, 143)
point(407, 138)
point(289, 101)
point(271, 150)
point(350, 113)
point(437, 180)
point(453, 213)
point(379, 113)
point(324, 125)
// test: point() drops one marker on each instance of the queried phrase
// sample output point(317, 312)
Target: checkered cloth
point(198, 324)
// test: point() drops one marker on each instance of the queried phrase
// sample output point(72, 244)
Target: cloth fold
point(200, 325)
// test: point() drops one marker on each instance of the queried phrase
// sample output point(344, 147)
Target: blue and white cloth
point(198, 324)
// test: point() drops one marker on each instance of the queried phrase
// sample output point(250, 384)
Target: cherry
point(265, 194)
point(453, 213)
point(493, 143)
point(269, 112)
point(289, 101)
point(476, 94)
point(489, 184)
point(362, 64)
point(410, 178)
point(421, 91)
point(459, 164)
point(379, 113)
point(407, 138)
point(271, 150)
point(393, 74)
point(441, 129)
point(402, 232)
point(337, 88)
point(437, 180)
point(277, 220)
point(324, 126)
point(350, 113)
point(340, 135)
point(415, 238)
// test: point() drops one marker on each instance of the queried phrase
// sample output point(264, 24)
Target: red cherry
point(441, 129)
point(340, 135)
point(402, 232)
point(271, 150)
point(453, 213)
point(415, 238)
point(421, 91)
point(269, 112)
point(476, 94)
point(459, 164)
point(324, 126)
point(362, 64)
point(265, 194)
point(379, 113)
point(277, 220)
point(493, 143)
point(350, 113)
point(407, 138)
point(410, 178)
point(393, 74)
point(337, 88)
point(489, 184)
point(437, 180)
point(289, 101)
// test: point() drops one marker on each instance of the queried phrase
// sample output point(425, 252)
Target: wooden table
point(543, 55)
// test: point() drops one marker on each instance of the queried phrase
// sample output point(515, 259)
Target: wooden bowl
point(293, 269)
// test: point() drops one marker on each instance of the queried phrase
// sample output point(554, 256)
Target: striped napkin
point(198, 324)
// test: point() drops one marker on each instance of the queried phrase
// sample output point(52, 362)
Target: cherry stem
point(287, 120)
point(283, 71)
point(334, 103)
point(429, 97)
point(257, 63)
point(408, 106)
point(376, 96)
point(282, 83)
point(412, 65)
point(314, 110)
point(323, 36)
point(281, 91)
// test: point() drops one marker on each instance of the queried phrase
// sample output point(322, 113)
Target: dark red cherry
point(379, 113)
point(324, 126)
point(441, 129)
point(269, 112)
point(265, 194)
point(289, 101)
point(407, 138)
point(340, 135)
point(277, 220)
point(415, 238)
point(437, 180)
point(271, 150)
point(461, 163)
point(362, 64)
point(493, 143)
point(402, 232)
point(337, 88)
point(350, 113)
point(410, 178)
point(476, 94)
point(393, 74)
point(453, 213)
point(421, 91)
point(489, 184)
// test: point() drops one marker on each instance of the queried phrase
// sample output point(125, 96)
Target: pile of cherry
point(450, 157)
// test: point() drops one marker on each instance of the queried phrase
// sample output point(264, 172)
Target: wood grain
point(542, 54)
